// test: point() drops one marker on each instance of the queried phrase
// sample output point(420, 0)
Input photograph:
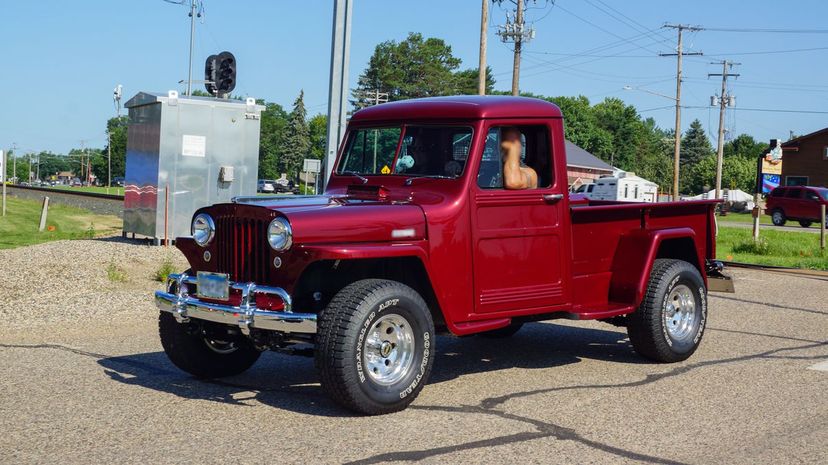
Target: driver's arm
point(516, 176)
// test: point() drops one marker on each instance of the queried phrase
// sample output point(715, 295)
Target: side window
point(534, 155)
point(793, 193)
point(811, 195)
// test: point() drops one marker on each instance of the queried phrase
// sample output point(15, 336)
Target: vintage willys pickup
point(415, 233)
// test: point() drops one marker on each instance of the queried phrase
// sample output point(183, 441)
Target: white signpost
point(314, 166)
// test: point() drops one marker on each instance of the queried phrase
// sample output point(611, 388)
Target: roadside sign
point(312, 165)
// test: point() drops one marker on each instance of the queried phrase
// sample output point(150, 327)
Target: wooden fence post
point(43, 212)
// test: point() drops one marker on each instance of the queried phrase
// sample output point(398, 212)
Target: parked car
point(266, 186)
point(585, 189)
point(796, 203)
point(118, 181)
point(76, 183)
point(416, 234)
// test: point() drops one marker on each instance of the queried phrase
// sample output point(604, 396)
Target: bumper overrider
point(246, 315)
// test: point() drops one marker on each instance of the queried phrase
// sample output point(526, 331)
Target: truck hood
point(321, 219)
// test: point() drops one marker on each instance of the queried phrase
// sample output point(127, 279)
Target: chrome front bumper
point(183, 306)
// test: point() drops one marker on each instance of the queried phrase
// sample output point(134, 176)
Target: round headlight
point(203, 229)
point(279, 234)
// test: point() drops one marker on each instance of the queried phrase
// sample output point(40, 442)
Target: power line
point(767, 30)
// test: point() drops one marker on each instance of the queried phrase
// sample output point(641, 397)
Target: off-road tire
point(778, 218)
point(344, 328)
point(187, 349)
point(805, 223)
point(502, 333)
point(647, 326)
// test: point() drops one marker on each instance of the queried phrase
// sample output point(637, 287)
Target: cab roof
point(459, 107)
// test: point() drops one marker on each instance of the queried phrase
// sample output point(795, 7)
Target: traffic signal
point(220, 73)
point(210, 67)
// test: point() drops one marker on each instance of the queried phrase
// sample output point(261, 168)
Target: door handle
point(552, 198)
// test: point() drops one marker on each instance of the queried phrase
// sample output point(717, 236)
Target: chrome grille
point(242, 249)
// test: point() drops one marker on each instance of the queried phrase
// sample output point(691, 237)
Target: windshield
point(823, 193)
point(423, 151)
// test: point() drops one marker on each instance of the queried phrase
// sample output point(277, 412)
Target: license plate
point(213, 285)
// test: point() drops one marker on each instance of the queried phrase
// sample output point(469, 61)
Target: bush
point(166, 269)
point(760, 247)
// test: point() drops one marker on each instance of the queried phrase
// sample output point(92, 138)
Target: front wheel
point(669, 323)
point(375, 346)
point(205, 354)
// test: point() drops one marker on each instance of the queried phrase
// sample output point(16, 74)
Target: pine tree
point(296, 144)
point(695, 144)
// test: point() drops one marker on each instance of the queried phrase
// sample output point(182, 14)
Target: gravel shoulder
point(63, 285)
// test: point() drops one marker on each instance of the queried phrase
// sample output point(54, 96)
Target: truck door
point(520, 237)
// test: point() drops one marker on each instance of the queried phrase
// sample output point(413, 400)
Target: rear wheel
point(205, 354)
point(778, 218)
point(669, 323)
point(375, 346)
point(805, 223)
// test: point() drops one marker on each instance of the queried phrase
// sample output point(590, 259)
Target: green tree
point(465, 82)
point(695, 147)
point(296, 142)
point(318, 133)
point(272, 130)
point(117, 130)
point(413, 68)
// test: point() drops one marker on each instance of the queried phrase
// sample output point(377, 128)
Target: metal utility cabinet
point(184, 153)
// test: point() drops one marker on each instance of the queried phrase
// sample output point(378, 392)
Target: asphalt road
point(790, 226)
point(91, 391)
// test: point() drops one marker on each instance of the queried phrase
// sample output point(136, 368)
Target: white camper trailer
point(624, 187)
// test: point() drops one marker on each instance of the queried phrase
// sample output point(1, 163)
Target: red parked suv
point(798, 203)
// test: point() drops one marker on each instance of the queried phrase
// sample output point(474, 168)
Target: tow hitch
point(716, 280)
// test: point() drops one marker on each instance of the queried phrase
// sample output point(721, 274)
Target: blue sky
point(62, 59)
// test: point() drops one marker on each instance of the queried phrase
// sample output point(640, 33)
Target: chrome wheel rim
point(388, 352)
point(680, 313)
point(220, 347)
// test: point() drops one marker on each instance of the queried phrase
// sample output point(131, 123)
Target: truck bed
point(612, 242)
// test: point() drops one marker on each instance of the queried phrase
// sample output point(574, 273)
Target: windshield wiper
point(356, 175)
point(410, 180)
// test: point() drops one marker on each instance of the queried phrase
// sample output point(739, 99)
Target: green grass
point(742, 218)
point(776, 248)
point(19, 227)
point(96, 189)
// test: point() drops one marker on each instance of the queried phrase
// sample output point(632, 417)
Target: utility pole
point(677, 146)
point(82, 153)
point(515, 31)
point(192, 45)
point(481, 69)
point(14, 162)
point(724, 100)
point(338, 85)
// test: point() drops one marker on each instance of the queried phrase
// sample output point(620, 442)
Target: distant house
point(65, 177)
point(805, 160)
point(583, 167)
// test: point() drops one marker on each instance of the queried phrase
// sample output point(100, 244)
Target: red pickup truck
point(415, 234)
